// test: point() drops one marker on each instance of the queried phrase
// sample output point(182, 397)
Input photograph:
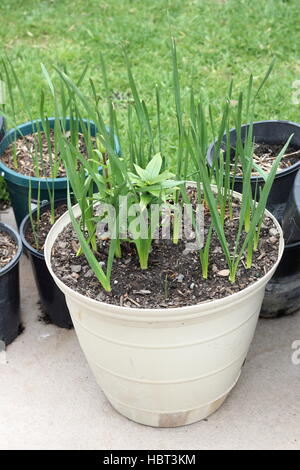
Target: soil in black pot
point(8, 249)
point(27, 148)
point(173, 278)
point(265, 154)
point(38, 237)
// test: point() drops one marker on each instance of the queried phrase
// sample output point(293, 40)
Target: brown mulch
point(265, 154)
point(27, 149)
point(8, 249)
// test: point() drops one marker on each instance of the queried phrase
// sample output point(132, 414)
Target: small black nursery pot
point(52, 299)
point(269, 132)
point(10, 292)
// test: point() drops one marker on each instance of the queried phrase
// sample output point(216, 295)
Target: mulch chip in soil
point(173, 278)
point(8, 249)
point(27, 150)
point(43, 227)
point(265, 154)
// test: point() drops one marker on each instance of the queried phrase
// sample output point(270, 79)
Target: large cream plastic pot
point(165, 367)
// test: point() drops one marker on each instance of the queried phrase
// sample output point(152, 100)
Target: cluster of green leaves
point(103, 177)
point(219, 202)
point(41, 128)
point(148, 176)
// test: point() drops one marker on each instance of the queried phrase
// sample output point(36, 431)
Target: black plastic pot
point(2, 127)
point(270, 132)
point(52, 299)
point(10, 292)
point(282, 294)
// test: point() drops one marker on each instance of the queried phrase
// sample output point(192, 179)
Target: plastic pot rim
point(156, 314)
point(17, 239)
point(258, 179)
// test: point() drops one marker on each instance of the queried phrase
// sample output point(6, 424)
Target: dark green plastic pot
point(18, 185)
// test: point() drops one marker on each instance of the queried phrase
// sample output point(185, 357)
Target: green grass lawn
point(217, 40)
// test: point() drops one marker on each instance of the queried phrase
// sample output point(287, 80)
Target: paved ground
point(49, 398)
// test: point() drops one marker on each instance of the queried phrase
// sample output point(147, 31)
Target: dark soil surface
point(8, 249)
point(173, 278)
point(43, 227)
point(27, 149)
point(265, 154)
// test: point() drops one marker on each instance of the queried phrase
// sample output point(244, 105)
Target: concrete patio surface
point(50, 400)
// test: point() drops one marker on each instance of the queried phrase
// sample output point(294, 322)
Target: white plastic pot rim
point(154, 314)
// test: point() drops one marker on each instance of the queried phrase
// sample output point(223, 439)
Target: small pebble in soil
point(101, 296)
point(223, 273)
point(142, 292)
point(75, 268)
point(273, 232)
point(89, 273)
